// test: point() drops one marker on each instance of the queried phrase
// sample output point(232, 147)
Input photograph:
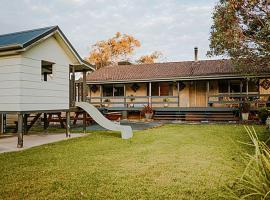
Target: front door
point(197, 94)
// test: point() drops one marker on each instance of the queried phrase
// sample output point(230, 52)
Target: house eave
point(173, 79)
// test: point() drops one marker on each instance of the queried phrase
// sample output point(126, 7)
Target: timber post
point(20, 131)
point(1, 124)
point(73, 86)
point(45, 121)
point(25, 125)
point(84, 95)
point(207, 93)
point(67, 124)
point(150, 94)
point(178, 93)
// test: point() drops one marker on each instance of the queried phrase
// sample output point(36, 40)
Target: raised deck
point(186, 113)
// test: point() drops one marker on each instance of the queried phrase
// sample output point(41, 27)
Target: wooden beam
point(33, 121)
point(67, 124)
point(25, 118)
point(82, 92)
point(45, 121)
point(178, 93)
point(84, 86)
point(61, 120)
point(150, 94)
point(4, 123)
point(207, 92)
point(73, 86)
point(125, 99)
point(70, 88)
point(1, 124)
point(101, 94)
point(20, 131)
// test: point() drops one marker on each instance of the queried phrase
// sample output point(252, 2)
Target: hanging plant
point(135, 87)
point(94, 88)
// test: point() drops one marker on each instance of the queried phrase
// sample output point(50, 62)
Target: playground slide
point(126, 131)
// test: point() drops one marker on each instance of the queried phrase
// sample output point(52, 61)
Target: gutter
point(213, 77)
point(11, 47)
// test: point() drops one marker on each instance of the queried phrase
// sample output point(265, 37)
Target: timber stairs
point(197, 114)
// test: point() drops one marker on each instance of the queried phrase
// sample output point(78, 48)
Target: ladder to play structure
point(97, 116)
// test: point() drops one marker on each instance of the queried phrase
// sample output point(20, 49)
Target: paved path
point(9, 143)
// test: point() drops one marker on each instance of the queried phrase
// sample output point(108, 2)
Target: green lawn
point(170, 162)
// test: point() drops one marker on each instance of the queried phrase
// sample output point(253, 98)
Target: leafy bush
point(263, 114)
point(255, 181)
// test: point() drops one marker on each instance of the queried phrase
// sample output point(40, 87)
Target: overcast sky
point(173, 27)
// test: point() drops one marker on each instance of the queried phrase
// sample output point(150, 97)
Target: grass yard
point(169, 162)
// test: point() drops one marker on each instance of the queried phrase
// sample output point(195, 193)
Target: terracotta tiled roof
point(162, 70)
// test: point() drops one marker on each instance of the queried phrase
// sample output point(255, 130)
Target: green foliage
point(241, 31)
point(263, 114)
point(255, 181)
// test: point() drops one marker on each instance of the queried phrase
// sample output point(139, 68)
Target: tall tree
point(241, 31)
point(149, 58)
point(113, 50)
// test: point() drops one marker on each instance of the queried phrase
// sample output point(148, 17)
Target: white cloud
point(173, 27)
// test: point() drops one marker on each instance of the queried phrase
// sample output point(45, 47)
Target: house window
point(223, 86)
point(253, 86)
point(46, 70)
point(155, 89)
point(162, 89)
point(166, 89)
point(235, 86)
point(118, 90)
point(107, 90)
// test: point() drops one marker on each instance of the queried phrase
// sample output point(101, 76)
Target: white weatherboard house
point(35, 67)
point(37, 75)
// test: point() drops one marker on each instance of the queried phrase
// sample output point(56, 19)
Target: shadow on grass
point(105, 134)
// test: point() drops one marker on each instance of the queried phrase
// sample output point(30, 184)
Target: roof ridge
point(190, 61)
point(30, 30)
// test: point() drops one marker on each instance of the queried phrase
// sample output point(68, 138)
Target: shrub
point(255, 181)
point(263, 114)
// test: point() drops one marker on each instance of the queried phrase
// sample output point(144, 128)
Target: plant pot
point(245, 116)
point(106, 105)
point(131, 105)
point(166, 105)
point(148, 115)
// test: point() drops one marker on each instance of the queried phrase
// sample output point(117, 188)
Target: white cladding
point(21, 84)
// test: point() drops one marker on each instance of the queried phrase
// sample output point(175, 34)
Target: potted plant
point(106, 102)
point(131, 100)
point(245, 110)
point(166, 100)
point(263, 114)
point(147, 111)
